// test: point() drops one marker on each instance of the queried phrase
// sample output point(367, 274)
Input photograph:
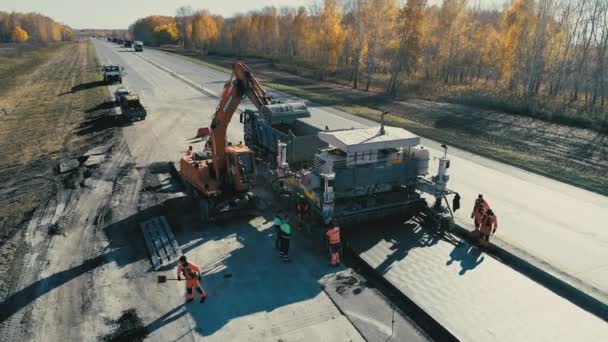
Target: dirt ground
point(573, 155)
point(47, 103)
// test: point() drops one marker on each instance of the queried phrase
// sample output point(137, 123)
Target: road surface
point(557, 227)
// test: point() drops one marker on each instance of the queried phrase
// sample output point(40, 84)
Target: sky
point(119, 14)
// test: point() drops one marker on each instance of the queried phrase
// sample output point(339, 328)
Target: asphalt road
point(557, 227)
point(262, 299)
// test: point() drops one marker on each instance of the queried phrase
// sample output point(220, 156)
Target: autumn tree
point(330, 37)
point(183, 23)
point(204, 31)
point(408, 45)
point(19, 35)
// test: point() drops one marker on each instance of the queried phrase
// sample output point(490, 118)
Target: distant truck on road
point(139, 46)
point(128, 44)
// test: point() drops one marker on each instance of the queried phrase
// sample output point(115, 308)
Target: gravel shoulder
point(48, 111)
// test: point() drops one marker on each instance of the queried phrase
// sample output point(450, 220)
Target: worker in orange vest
point(192, 273)
point(479, 210)
point(489, 223)
point(333, 236)
point(302, 209)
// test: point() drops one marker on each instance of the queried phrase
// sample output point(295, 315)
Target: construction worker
point(189, 151)
point(479, 209)
point(302, 209)
point(278, 220)
point(489, 223)
point(192, 273)
point(333, 237)
point(285, 237)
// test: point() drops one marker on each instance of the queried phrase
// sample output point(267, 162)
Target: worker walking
point(192, 273)
point(479, 210)
point(489, 223)
point(278, 220)
point(333, 237)
point(285, 238)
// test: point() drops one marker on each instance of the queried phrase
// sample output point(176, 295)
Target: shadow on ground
point(467, 255)
point(84, 86)
point(31, 293)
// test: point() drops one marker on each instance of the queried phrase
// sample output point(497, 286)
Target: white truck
point(138, 45)
point(112, 73)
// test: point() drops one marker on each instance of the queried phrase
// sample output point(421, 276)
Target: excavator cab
point(241, 167)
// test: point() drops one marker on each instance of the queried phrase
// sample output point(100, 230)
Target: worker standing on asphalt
point(489, 223)
point(479, 210)
point(285, 238)
point(333, 236)
point(278, 220)
point(192, 273)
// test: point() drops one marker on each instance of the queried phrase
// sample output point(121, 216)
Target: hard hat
point(480, 196)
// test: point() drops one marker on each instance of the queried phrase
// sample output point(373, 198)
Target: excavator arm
point(241, 83)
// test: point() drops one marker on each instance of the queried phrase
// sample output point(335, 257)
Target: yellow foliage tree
point(517, 23)
point(19, 35)
point(166, 34)
point(330, 35)
point(205, 30)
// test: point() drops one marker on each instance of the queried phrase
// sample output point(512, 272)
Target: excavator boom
point(241, 83)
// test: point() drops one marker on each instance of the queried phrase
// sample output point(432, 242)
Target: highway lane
point(265, 299)
point(555, 226)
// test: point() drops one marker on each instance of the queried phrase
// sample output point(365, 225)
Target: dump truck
point(288, 123)
point(131, 108)
point(112, 73)
point(138, 45)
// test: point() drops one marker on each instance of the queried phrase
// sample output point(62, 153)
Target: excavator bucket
point(284, 112)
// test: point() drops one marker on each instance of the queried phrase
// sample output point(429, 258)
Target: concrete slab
point(68, 165)
point(94, 160)
point(254, 296)
point(97, 150)
point(160, 242)
point(474, 296)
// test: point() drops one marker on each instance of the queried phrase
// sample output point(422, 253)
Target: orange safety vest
point(487, 223)
point(189, 268)
point(333, 235)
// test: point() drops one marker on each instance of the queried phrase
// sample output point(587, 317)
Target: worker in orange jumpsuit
point(489, 223)
point(333, 237)
point(302, 209)
point(479, 210)
point(192, 273)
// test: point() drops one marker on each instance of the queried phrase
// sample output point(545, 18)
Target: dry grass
point(42, 105)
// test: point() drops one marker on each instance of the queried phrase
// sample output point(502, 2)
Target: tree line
point(32, 28)
point(533, 48)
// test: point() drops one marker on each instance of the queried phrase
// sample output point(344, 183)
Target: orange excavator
point(222, 175)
